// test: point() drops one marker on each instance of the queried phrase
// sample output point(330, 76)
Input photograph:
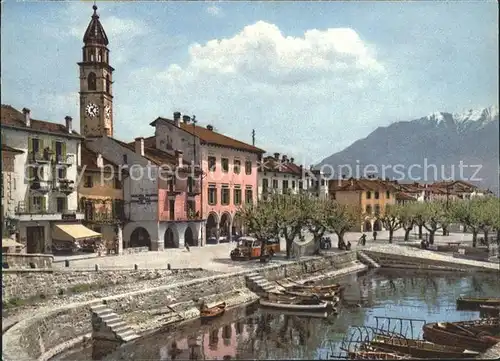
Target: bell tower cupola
point(96, 79)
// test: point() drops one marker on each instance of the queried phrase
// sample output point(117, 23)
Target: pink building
point(229, 167)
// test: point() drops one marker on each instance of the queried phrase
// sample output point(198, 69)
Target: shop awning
point(9, 242)
point(73, 232)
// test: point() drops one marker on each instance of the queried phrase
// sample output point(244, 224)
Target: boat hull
point(474, 304)
point(440, 336)
point(322, 306)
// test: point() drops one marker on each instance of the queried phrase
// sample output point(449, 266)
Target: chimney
point(69, 124)
point(209, 127)
point(27, 117)
point(139, 146)
point(283, 158)
point(177, 119)
point(186, 119)
point(276, 156)
point(99, 161)
point(292, 160)
point(178, 155)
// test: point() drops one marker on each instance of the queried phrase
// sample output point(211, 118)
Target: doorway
point(35, 240)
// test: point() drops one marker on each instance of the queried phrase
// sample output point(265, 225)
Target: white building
point(282, 175)
point(42, 197)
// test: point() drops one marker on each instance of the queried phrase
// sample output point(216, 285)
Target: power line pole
point(253, 137)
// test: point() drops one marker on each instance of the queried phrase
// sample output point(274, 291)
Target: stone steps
point(114, 325)
point(367, 260)
point(259, 284)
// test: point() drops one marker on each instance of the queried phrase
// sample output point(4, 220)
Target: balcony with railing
point(40, 212)
point(193, 187)
point(65, 159)
point(64, 186)
point(39, 185)
point(41, 157)
point(103, 211)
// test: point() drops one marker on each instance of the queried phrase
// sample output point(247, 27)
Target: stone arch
point(140, 238)
point(237, 228)
point(377, 225)
point(367, 226)
point(225, 224)
point(211, 225)
point(189, 237)
point(171, 237)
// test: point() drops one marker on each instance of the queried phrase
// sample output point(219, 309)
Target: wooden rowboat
point(276, 300)
point(474, 303)
point(327, 288)
point(489, 311)
point(419, 349)
point(456, 335)
point(326, 296)
point(375, 355)
point(213, 312)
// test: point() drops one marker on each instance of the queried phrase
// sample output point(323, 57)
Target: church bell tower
point(96, 99)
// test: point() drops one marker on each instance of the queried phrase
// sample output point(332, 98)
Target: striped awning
point(73, 232)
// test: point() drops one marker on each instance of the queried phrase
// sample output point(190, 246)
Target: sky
point(310, 77)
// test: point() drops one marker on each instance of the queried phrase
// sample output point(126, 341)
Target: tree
point(292, 217)
point(317, 210)
point(261, 220)
point(341, 218)
point(418, 216)
point(488, 215)
point(406, 217)
point(467, 213)
point(434, 215)
point(391, 220)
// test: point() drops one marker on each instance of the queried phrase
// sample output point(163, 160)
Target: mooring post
point(168, 266)
point(66, 263)
point(97, 267)
point(136, 266)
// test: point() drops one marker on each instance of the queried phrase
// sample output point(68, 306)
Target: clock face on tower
point(92, 110)
point(107, 112)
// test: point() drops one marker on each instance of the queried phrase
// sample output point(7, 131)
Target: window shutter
point(44, 204)
point(64, 149)
point(30, 145)
point(54, 155)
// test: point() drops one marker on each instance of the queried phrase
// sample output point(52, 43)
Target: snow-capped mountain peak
point(462, 122)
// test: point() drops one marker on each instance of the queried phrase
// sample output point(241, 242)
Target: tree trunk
point(498, 238)
point(289, 244)
point(263, 243)
point(431, 236)
point(474, 237)
point(420, 231)
point(465, 228)
point(486, 233)
point(445, 230)
point(407, 234)
point(391, 232)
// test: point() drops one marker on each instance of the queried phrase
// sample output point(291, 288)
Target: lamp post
point(201, 176)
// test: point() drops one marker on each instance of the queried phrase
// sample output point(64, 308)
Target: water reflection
point(252, 333)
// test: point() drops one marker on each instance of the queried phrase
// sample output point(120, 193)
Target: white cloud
point(282, 86)
point(215, 11)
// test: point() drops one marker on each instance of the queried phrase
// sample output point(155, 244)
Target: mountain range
point(440, 146)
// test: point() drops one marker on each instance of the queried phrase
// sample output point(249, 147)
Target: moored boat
point(207, 313)
point(317, 288)
point(474, 303)
point(326, 296)
point(472, 337)
point(489, 311)
point(276, 300)
point(375, 355)
point(419, 348)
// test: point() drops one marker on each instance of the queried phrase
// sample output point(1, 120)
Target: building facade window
point(61, 204)
point(225, 196)
point(377, 195)
point(224, 165)
point(368, 209)
point(91, 82)
point(285, 185)
point(248, 167)
point(265, 184)
point(171, 209)
point(293, 184)
point(237, 166)
point(212, 164)
point(212, 195)
point(301, 185)
point(248, 195)
point(275, 183)
point(88, 182)
point(237, 195)
point(377, 210)
point(368, 195)
point(387, 194)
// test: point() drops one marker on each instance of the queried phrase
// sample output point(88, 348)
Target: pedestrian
point(187, 247)
point(348, 247)
point(374, 235)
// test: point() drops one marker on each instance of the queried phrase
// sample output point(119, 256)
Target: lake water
point(374, 299)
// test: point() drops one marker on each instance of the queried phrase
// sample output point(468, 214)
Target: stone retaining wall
point(34, 337)
point(26, 284)
point(26, 261)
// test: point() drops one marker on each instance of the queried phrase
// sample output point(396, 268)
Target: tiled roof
point(6, 148)
point(89, 160)
point(212, 137)
point(271, 164)
point(12, 117)
point(404, 196)
point(362, 184)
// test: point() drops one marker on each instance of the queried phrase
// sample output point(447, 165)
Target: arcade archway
point(140, 238)
point(237, 228)
point(169, 239)
point(211, 225)
point(377, 226)
point(367, 226)
point(225, 224)
point(189, 237)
